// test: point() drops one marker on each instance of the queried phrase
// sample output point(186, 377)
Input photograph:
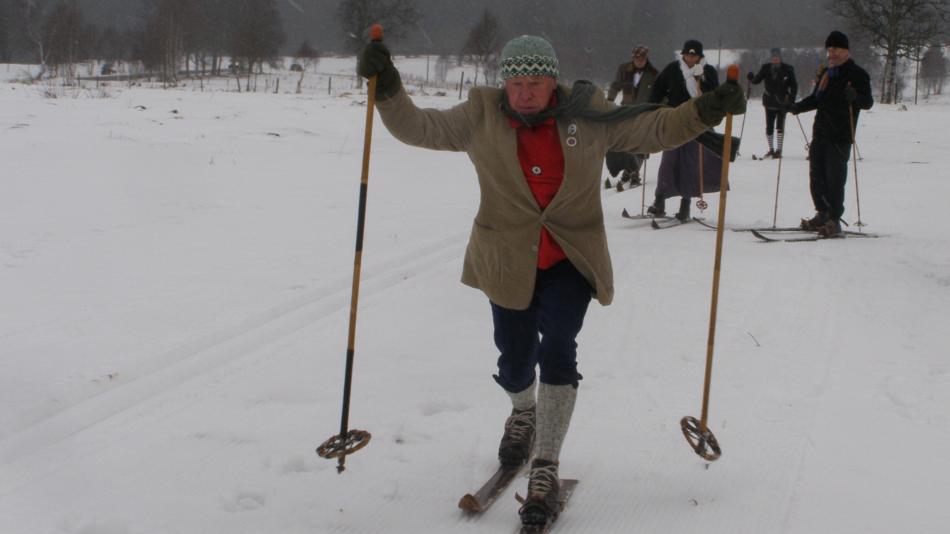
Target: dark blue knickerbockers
point(544, 334)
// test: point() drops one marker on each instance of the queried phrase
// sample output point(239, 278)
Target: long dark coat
point(679, 173)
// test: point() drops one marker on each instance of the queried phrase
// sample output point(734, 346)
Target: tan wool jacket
point(502, 254)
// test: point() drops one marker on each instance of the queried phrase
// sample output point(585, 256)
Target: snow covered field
point(175, 280)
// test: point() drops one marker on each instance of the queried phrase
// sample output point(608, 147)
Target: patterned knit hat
point(528, 55)
point(641, 51)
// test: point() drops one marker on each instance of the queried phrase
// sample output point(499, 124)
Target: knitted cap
point(528, 55)
point(692, 47)
point(837, 39)
point(776, 52)
point(641, 51)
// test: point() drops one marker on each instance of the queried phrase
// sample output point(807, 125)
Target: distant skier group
point(841, 90)
point(538, 245)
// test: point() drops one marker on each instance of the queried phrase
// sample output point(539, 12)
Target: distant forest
point(591, 37)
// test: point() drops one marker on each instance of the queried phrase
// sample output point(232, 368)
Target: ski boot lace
point(519, 425)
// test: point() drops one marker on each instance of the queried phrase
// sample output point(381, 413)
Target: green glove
point(375, 60)
point(727, 98)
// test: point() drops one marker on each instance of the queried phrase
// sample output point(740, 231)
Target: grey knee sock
point(524, 399)
point(555, 407)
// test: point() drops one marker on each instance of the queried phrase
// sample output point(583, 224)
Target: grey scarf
point(575, 106)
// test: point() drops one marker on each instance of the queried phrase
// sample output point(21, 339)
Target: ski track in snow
point(206, 356)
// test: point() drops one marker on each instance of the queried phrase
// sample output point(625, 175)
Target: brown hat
point(641, 51)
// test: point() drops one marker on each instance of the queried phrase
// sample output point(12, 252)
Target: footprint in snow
point(245, 501)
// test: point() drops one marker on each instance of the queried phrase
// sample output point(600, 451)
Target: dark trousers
point(544, 334)
point(828, 166)
point(774, 120)
point(618, 162)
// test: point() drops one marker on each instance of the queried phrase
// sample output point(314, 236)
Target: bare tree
point(31, 17)
point(65, 36)
point(356, 16)
point(895, 28)
point(6, 21)
point(483, 46)
point(258, 33)
point(933, 70)
point(306, 57)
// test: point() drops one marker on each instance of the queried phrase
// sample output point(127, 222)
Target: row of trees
point(175, 35)
point(172, 35)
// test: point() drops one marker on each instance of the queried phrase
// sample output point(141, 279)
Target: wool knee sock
point(555, 407)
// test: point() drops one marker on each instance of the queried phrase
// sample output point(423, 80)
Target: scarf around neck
point(575, 106)
point(692, 83)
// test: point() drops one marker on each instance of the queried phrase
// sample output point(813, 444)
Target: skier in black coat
point(841, 91)
point(780, 90)
point(681, 169)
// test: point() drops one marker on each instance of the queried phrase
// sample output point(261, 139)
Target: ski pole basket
point(700, 439)
point(342, 445)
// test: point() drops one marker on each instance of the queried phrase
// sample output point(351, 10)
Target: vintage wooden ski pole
point(697, 432)
point(778, 180)
point(748, 95)
point(643, 186)
point(350, 440)
point(854, 161)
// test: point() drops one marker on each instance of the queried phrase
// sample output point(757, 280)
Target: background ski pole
point(778, 180)
point(349, 440)
point(697, 433)
point(643, 186)
point(854, 161)
point(701, 203)
point(748, 95)
point(802, 128)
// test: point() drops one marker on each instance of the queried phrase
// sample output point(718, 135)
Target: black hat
point(693, 47)
point(837, 39)
point(776, 52)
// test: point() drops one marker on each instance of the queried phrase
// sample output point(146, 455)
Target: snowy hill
point(175, 270)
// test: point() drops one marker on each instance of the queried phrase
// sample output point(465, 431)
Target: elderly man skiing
point(538, 247)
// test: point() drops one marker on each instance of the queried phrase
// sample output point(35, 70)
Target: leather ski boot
point(815, 222)
point(518, 439)
point(543, 503)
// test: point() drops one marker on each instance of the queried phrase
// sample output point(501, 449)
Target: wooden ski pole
point(697, 433)
point(778, 180)
point(643, 186)
point(748, 95)
point(802, 128)
point(701, 203)
point(349, 440)
point(854, 161)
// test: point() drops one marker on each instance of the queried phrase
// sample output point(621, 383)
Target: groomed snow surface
point(175, 272)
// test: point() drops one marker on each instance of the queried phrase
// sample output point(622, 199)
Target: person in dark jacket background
point(780, 90)
point(841, 91)
point(681, 169)
point(634, 80)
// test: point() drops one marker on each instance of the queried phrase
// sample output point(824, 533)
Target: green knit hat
point(528, 55)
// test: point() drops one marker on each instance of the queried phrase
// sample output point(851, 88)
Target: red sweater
point(542, 161)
